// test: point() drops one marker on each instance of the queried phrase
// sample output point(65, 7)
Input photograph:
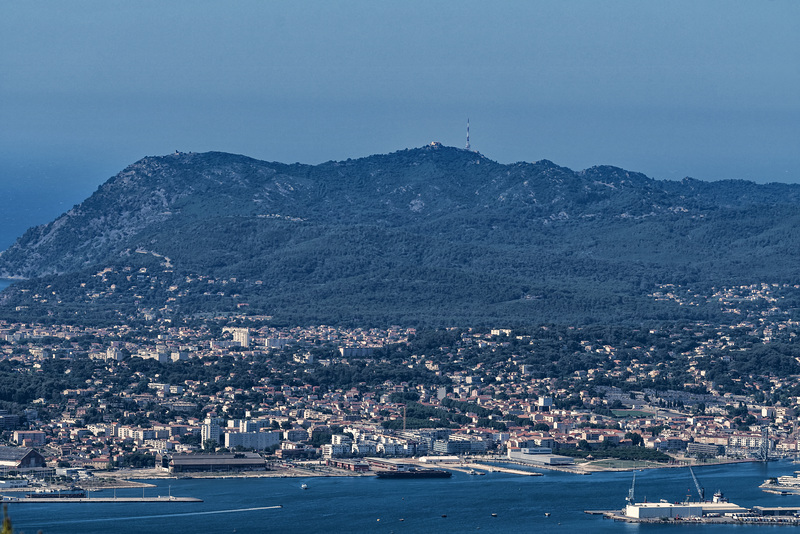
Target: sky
point(707, 89)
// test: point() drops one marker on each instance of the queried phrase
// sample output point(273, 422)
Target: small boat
point(304, 486)
point(547, 514)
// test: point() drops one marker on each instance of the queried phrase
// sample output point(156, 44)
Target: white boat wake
point(161, 516)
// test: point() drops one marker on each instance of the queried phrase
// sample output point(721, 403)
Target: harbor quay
point(711, 512)
point(87, 500)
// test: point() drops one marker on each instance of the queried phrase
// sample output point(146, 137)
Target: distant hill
point(433, 235)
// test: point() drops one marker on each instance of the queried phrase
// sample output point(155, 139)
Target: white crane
point(629, 499)
point(700, 491)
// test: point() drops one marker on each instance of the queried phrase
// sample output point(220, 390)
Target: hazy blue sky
point(708, 89)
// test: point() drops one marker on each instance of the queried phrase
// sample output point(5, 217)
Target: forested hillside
point(434, 235)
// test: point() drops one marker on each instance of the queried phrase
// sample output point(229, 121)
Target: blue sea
point(5, 283)
point(462, 503)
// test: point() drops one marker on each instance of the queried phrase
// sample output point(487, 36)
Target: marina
point(783, 485)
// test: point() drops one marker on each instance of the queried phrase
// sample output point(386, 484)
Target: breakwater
point(97, 500)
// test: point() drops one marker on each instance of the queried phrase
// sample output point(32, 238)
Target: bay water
point(495, 502)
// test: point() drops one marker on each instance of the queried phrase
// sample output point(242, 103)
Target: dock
point(574, 469)
point(734, 519)
point(98, 499)
point(480, 468)
point(780, 489)
point(498, 469)
point(618, 515)
point(758, 515)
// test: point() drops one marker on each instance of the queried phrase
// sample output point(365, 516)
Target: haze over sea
point(347, 504)
point(40, 191)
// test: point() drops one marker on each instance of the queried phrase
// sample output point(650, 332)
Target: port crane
point(629, 499)
point(700, 491)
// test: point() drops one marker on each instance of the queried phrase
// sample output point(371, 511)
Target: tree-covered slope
point(433, 235)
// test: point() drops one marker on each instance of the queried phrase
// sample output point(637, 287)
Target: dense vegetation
point(430, 236)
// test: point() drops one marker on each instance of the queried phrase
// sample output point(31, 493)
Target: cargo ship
point(414, 473)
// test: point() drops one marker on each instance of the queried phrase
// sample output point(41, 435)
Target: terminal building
point(239, 461)
point(668, 510)
point(20, 458)
point(539, 456)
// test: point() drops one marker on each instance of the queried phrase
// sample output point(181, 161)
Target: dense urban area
point(156, 392)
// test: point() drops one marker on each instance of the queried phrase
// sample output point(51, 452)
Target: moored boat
point(414, 473)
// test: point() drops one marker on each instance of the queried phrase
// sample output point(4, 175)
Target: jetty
point(756, 516)
point(55, 499)
point(476, 468)
point(499, 469)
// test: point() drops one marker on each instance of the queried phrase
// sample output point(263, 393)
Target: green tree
point(7, 528)
point(635, 437)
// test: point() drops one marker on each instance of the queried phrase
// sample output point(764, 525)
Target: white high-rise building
point(242, 337)
point(210, 430)
point(252, 440)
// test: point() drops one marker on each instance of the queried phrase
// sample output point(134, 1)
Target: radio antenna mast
point(468, 134)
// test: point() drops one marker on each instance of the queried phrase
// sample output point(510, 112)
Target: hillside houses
point(126, 391)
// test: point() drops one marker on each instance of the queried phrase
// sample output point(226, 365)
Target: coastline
point(133, 478)
point(680, 462)
point(331, 504)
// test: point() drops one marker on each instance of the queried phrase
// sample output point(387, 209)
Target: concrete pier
point(498, 469)
point(98, 499)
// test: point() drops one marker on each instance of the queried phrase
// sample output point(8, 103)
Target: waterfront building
point(704, 449)
point(664, 510)
point(252, 440)
point(349, 465)
point(459, 444)
point(538, 455)
point(362, 448)
point(333, 450)
point(745, 444)
point(20, 458)
point(239, 461)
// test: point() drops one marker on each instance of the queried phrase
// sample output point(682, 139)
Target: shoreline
point(96, 500)
point(134, 478)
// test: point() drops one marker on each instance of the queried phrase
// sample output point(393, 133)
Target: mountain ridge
point(429, 230)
